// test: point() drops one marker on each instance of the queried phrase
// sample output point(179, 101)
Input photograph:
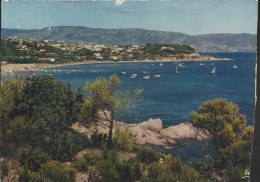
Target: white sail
point(177, 72)
point(213, 71)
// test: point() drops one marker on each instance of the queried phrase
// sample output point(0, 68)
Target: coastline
point(31, 67)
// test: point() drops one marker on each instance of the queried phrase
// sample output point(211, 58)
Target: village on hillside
point(30, 50)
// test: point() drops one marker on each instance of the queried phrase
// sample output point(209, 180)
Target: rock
point(185, 131)
point(144, 136)
point(171, 141)
point(168, 148)
point(81, 177)
point(152, 124)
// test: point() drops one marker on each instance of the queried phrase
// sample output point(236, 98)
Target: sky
point(193, 17)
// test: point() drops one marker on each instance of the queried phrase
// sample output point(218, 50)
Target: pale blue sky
point(191, 17)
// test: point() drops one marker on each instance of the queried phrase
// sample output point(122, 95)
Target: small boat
point(235, 66)
point(213, 71)
point(157, 76)
point(146, 77)
point(180, 65)
point(212, 64)
point(152, 64)
point(134, 74)
point(201, 64)
point(177, 72)
point(160, 64)
point(123, 72)
point(143, 72)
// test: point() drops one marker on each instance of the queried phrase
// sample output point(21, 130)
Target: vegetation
point(103, 102)
point(147, 156)
point(36, 118)
point(11, 53)
point(38, 113)
point(123, 140)
point(231, 137)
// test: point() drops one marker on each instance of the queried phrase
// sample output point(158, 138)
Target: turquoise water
point(172, 97)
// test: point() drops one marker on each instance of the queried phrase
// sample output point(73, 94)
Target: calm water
point(172, 97)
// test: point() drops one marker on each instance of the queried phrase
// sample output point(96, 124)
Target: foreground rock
point(151, 132)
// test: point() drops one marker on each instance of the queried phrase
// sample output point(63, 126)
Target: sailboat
point(235, 66)
point(146, 77)
point(213, 71)
point(177, 72)
point(201, 64)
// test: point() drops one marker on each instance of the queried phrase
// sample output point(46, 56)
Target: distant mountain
point(77, 34)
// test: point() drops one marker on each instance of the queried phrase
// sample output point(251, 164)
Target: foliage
point(147, 156)
point(232, 139)
point(172, 169)
point(56, 171)
point(123, 140)
point(81, 164)
point(32, 159)
point(111, 169)
point(98, 139)
point(27, 176)
point(39, 112)
point(103, 102)
point(12, 54)
point(221, 119)
point(91, 159)
point(4, 170)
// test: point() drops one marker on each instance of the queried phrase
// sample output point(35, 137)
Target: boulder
point(154, 125)
point(185, 131)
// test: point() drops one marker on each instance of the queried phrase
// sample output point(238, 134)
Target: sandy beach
point(31, 67)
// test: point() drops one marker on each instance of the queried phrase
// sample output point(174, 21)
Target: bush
point(148, 156)
point(111, 169)
point(65, 145)
point(123, 140)
point(26, 176)
point(98, 139)
point(4, 170)
point(81, 164)
point(56, 171)
point(91, 158)
point(33, 159)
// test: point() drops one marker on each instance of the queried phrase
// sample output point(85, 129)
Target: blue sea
point(171, 97)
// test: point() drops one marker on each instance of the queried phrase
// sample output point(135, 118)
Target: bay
point(171, 97)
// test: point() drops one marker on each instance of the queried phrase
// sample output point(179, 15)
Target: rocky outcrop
point(185, 131)
point(151, 132)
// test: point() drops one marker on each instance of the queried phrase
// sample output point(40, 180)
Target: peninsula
point(19, 55)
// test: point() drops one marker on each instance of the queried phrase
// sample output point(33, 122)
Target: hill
point(77, 34)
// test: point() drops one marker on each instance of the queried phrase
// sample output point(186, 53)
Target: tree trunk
point(110, 141)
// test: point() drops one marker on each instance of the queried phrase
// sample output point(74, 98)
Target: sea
point(172, 97)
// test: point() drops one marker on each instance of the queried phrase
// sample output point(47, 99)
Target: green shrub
point(98, 140)
point(123, 140)
point(33, 159)
point(4, 170)
point(147, 156)
point(65, 145)
point(111, 169)
point(26, 176)
point(81, 164)
point(56, 171)
point(91, 158)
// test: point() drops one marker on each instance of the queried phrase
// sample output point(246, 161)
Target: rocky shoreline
point(151, 132)
point(7, 68)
